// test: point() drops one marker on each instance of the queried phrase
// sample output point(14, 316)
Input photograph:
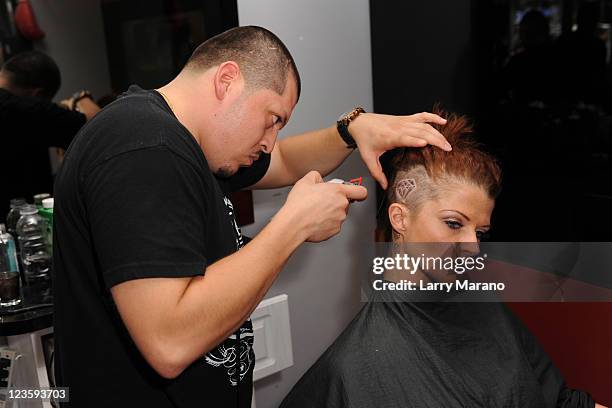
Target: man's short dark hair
point(32, 70)
point(264, 60)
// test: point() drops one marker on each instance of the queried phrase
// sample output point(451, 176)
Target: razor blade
point(352, 182)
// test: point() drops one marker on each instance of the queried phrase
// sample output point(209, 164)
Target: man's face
point(250, 125)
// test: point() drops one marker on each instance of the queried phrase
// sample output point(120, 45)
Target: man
point(153, 284)
point(31, 124)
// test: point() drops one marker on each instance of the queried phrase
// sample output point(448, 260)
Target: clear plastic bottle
point(38, 199)
point(14, 215)
point(35, 257)
point(8, 252)
point(9, 272)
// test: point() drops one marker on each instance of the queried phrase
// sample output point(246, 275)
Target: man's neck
point(186, 105)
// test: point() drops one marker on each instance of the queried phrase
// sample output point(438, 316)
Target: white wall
point(330, 41)
point(75, 39)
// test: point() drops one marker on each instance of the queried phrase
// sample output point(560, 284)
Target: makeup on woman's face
point(461, 215)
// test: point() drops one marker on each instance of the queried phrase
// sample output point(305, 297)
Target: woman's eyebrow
point(458, 212)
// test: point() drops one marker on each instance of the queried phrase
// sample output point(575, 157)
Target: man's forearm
point(321, 150)
point(215, 305)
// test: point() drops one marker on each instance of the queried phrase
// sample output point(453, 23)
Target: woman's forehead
point(469, 200)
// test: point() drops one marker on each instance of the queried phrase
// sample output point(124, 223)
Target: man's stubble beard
point(224, 172)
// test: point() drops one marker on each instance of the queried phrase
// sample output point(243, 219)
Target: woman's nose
point(469, 247)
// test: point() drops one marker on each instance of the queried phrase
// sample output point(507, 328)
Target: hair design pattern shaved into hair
point(405, 187)
point(421, 174)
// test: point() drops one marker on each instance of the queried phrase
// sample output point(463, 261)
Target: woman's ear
point(398, 217)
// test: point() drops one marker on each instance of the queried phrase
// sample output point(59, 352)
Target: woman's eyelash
point(457, 225)
point(453, 224)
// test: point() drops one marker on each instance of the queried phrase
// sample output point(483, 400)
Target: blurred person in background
point(31, 123)
point(583, 58)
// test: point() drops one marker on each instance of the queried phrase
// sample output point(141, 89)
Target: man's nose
point(268, 141)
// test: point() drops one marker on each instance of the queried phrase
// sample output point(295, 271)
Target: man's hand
point(319, 207)
point(86, 106)
point(375, 134)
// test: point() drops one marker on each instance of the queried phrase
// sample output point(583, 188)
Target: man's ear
point(399, 218)
point(227, 78)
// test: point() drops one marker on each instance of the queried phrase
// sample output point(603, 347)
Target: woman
point(401, 353)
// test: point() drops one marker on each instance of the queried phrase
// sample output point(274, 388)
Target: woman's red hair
point(467, 161)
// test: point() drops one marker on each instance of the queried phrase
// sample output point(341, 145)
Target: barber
point(153, 283)
point(31, 123)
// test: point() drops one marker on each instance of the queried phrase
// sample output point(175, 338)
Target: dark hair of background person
point(264, 60)
point(34, 70)
point(534, 29)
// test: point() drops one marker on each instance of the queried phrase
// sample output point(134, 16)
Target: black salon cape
point(411, 354)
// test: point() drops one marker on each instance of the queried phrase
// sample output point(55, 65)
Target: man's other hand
point(375, 134)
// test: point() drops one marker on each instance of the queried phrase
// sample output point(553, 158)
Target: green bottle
point(46, 212)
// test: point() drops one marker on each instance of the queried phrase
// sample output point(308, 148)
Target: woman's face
point(460, 216)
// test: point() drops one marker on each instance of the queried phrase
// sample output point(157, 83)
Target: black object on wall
point(431, 52)
point(436, 51)
point(417, 49)
point(149, 41)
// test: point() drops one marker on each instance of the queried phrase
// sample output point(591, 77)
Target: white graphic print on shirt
point(235, 354)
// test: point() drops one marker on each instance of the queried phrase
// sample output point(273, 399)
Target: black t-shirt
point(28, 127)
point(135, 198)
